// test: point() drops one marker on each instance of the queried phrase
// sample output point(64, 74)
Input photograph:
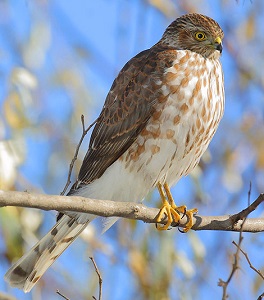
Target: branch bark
point(136, 211)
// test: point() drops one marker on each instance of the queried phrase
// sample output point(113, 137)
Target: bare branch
point(245, 212)
point(240, 216)
point(84, 132)
point(99, 278)
point(136, 211)
point(235, 265)
point(64, 297)
point(248, 260)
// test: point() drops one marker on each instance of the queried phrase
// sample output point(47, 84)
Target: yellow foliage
point(14, 111)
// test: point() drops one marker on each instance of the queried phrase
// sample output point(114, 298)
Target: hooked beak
point(218, 44)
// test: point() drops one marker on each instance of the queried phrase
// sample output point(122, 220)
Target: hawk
point(158, 119)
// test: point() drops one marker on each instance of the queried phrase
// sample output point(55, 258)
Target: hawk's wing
point(128, 106)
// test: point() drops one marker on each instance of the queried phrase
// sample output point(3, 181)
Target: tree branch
point(84, 132)
point(240, 216)
point(136, 211)
point(64, 297)
point(248, 260)
point(99, 279)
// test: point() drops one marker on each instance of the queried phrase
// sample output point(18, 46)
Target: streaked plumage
point(158, 119)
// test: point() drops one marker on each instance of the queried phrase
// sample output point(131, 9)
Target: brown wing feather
point(128, 106)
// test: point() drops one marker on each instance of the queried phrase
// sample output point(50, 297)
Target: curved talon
point(181, 230)
point(184, 213)
point(189, 214)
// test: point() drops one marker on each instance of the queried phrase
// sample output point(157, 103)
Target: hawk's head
point(197, 33)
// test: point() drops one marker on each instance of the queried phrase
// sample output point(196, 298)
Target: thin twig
point(99, 278)
point(59, 293)
point(245, 212)
point(249, 193)
point(248, 260)
point(235, 266)
point(240, 216)
point(84, 132)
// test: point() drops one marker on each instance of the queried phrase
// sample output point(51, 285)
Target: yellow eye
point(200, 36)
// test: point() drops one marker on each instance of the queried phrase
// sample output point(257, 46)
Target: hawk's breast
point(184, 121)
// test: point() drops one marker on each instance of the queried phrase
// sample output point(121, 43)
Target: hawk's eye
point(200, 36)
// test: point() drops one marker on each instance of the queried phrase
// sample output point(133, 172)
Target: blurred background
point(57, 61)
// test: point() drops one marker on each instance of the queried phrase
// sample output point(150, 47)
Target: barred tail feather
point(25, 273)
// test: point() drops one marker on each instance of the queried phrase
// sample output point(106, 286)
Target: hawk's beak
point(218, 44)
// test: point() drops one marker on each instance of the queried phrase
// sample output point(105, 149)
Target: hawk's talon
point(181, 230)
point(189, 214)
point(172, 211)
point(175, 224)
point(184, 214)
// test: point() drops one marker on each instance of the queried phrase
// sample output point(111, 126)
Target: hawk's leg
point(171, 210)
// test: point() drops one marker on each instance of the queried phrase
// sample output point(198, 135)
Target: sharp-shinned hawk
point(158, 119)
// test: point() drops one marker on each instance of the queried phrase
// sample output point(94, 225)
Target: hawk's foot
point(172, 211)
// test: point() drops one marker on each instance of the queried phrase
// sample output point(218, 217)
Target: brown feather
point(128, 106)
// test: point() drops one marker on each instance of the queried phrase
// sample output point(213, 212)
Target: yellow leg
point(166, 209)
point(171, 210)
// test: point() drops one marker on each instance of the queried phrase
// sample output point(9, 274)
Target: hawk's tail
point(25, 273)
